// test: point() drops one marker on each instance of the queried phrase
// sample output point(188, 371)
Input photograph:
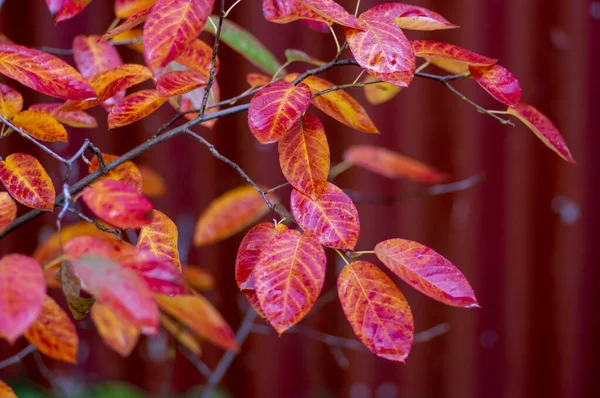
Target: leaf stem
point(342, 256)
point(337, 42)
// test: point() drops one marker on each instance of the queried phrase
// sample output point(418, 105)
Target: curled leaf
point(134, 107)
point(26, 180)
point(8, 210)
point(130, 23)
point(408, 16)
point(120, 335)
point(498, 82)
point(11, 101)
point(160, 237)
point(449, 57)
point(40, 126)
point(286, 11)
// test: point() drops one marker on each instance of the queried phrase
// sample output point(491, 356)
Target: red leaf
point(127, 172)
point(543, 128)
point(160, 237)
point(40, 126)
point(304, 156)
point(120, 335)
point(289, 276)
point(74, 119)
point(93, 57)
point(171, 27)
point(317, 26)
point(134, 107)
point(333, 218)
point(118, 204)
point(499, 82)
point(332, 11)
point(380, 160)
point(381, 49)
point(198, 57)
point(276, 108)
point(377, 310)
point(455, 59)
point(179, 82)
point(11, 101)
point(130, 23)
point(8, 210)
point(23, 292)
point(286, 11)
point(120, 289)
point(426, 271)
point(27, 181)
point(61, 10)
point(43, 72)
point(408, 16)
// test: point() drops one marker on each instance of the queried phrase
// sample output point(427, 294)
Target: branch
point(18, 357)
point(197, 362)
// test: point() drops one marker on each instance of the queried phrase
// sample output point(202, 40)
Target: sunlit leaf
point(118, 204)
point(53, 333)
point(8, 210)
point(61, 10)
point(184, 337)
point(198, 57)
point(257, 80)
point(380, 160)
point(26, 180)
point(289, 277)
point(408, 16)
point(333, 218)
point(171, 27)
point(377, 310)
point(381, 48)
point(160, 237)
point(154, 185)
point(332, 11)
point(229, 214)
point(40, 126)
point(293, 55)
point(23, 292)
point(134, 107)
point(126, 8)
point(93, 57)
point(11, 101)
point(135, 38)
point(426, 271)
point(127, 172)
point(6, 391)
point(304, 156)
point(275, 108)
point(130, 23)
point(43, 72)
point(179, 82)
point(120, 289)
point(542, 127)
point(74, 119)
point(201, 317)
point(198, 278)
point(452, 58)
point(120, 335)
point(499, 82)
point(379, 93)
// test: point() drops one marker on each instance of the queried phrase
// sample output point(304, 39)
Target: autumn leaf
point(40, 125)
point(229, 214)
point(338, 104)
point(120, 289)
point(379, 93)
point(171, 27)
point(11, 101)
point(289, 274)
point(130, 23)
point(23, 291)
point(183, 336)
point(127, 172)
point(198, 278)
point(201, 317)
point(43, 72)
point(377, 310)
point(179, 82)
point(304, 156)
point(542, 127)
point(134, 107)
point(53, 333)
point(6, 391)
point(333, 12)
point(381, 49)
point(160, 237)
point(382, 161)
point(154, 185)
point(126, 8)
point(257, 80)
point(499, 82)
point(320, 27)
point(26, 180)
point(286, 11)
point(333, 218)
point(120, 335)
point(426, 271)
point(93, 57)
point(67, 8)
point(275, 108)
point(449, 57)
point(8, 210)
point(198, 58)
point(193, 100)
point(411, 17)
point(78, 300)
point(118, 204)
point(78, 119)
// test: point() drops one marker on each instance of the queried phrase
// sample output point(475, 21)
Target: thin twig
point(197, 362)
point(478, 107)
point(213, 67)
point(18, 357)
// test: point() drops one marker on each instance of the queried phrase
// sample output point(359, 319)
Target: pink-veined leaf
point(333, 218)
point(134, 107)
point(130, 23)
point(40, 125)
point(332, 11)
point(61, 10)
point(120, 335)
point(286, 11)
point(93, 57)
point(377, 310)
point(449, 57)
point(426, 271)
point(127, 172)
point(176, 83)
point(408, 16)
point(11, 101)
point(499, 82)
point(160, 237)
point(78, 119)
point(8, 210)
point(26, 180)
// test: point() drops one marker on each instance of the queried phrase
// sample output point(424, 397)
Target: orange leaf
point(6, 391)
point(127, 172)
point(118, 204)
point(120, 335)
point(381, 48)
point(185, 338)
point(338, 104)
point(304, 156)
point(134, 107)
point(287, 11)
point(378, 93)
point(382, 161)
point(132, 34)
point(154, 185)
point(198, 278)
point(498, 82)
point(333, 218)
point(27, 181)
point(41, 126)
point(8, 210)
point(93, 57)
point(257, 80)
point(23, 291)
point(74, 119)
point(126, 8)
point(53, 333)
point(67, 8)
point(171, 27)
point(193, 100)
point(426, 271)
point(120, 289)
point(198, 314)
point(275, 108)
point(377, 310)
point(412, 17)
point(332, 11)
point(177, 83)
point(543, 128)
point(454, 59)
point(160, 237)
point(290, 273)
point(229, 214)
point(43, 72)
point(131, 22)
point(11, 101)
point(198, 57)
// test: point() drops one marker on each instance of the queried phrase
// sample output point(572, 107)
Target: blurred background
point(526, 237)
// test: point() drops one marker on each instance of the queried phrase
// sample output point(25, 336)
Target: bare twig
point(477, 106)
point(197, 362)
point(213, 67)
point(18, 357)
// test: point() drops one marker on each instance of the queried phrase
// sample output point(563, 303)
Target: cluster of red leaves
point(132, 289)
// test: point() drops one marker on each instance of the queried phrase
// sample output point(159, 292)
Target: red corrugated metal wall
point(527, 238)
